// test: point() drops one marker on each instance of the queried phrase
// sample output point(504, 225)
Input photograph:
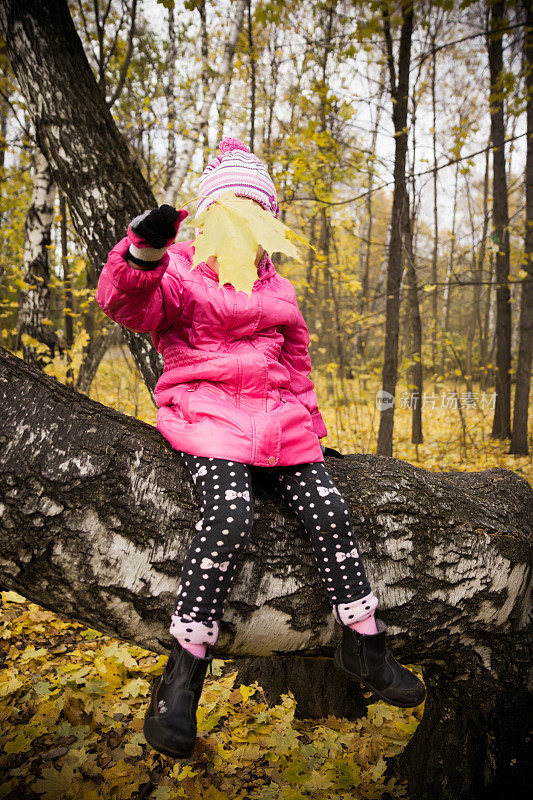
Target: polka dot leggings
point(224, 488)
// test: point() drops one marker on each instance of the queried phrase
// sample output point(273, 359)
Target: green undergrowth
point(71, 710)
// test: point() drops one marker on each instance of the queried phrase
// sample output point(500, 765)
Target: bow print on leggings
point(231, 494)
point(342, 556)
point(207, 564)
point(323, 491)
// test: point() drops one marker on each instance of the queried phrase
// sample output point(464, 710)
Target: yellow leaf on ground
point(55, 785)
point(212, 793)
point(9, 687)
point(31, 654)
point(135, 687)
point(20, 744)
point(180, 773)
point(13, 597)
point(132, 749)
point(247, 691)
point(318, 781)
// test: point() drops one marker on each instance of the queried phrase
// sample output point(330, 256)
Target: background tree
point(519, 444)
point(399, 91)
point(502, 413)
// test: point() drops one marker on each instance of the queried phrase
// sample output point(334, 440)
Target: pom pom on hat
point(232, 143)
point(238, 170)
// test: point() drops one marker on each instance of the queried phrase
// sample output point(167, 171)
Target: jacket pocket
point(185, 397)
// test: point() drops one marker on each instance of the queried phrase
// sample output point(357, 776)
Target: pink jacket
point(235, 383)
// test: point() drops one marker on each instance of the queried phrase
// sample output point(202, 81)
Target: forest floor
point(72, 703)
point(72, 700)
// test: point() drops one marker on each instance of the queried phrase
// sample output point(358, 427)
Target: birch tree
point(33, 315)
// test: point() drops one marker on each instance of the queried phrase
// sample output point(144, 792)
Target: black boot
point(366, 658)
point(170, 721)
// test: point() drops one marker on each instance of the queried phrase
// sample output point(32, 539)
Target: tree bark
point(435, 250)
point(519, 443)
point(336, 347)
point(447, 294)
point(206, 73)
point(132, 16)
point(67, 288)
point(271, 98)
point(34, 303)
point(310, 268)
point(400, 99)
point(501, 427)
point(170, 96)
point(478, 259)
point(97, 512)
point(4, 109)
point(360, 337)
point(222, 109)
point(416, 372)
point(487, 342)
point(253, 57)
point(94, 352)
point(89, 158)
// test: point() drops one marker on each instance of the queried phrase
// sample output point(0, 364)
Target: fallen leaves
point(71, 727)
point(54, 784)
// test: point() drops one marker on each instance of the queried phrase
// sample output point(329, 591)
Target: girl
point(235, 392)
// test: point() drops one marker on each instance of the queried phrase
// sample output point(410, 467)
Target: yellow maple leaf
point(20, 744)
point(232, 228)
point(10, 686)
point(13, 597)
point(135, 687)
point(55, 785)
point(247, 691)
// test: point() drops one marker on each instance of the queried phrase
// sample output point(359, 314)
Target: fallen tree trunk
point(97, 511)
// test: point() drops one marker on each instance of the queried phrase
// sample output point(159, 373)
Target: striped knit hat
point(236, 169)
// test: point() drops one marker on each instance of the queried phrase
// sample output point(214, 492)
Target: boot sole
point(356, 677)
point(166, 751)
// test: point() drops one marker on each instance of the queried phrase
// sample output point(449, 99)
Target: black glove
point(157, 227)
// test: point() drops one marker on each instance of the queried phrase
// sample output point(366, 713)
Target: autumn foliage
point(72, 703)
